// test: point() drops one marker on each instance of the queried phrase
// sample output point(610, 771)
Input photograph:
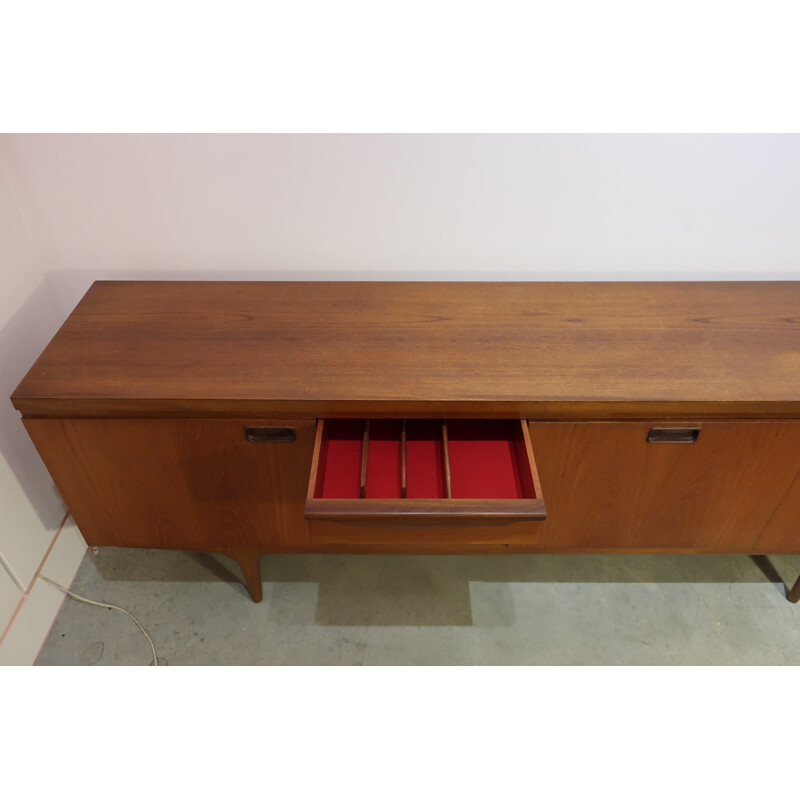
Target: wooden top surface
point(539, 350)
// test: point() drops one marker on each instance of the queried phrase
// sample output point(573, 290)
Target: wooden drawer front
point(393, 472)
point(696, 486)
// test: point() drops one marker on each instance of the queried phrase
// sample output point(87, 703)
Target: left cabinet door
point(188, 484)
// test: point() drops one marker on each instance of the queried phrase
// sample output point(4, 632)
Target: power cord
point(105, 605)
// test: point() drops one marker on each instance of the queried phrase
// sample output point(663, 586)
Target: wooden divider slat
point(364, 459)
point(403, 483)
point(446, 453)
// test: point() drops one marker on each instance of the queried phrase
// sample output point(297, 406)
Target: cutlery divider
point(446, 457)
point(364, 459)
point(419, 459)
point(403, 463)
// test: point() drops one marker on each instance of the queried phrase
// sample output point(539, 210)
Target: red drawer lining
point(340, 459)
point(383, 464)
point(487, 460)
point(483, 459)
point(425, 459)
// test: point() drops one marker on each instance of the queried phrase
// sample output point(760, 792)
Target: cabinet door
point(782, 534)
point(181, 483)
point(711, 487)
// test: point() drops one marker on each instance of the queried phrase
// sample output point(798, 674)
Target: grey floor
point(500, 609)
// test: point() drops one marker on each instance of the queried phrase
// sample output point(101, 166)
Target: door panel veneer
point(607, 487)
point(782, 533)
point(183, 484)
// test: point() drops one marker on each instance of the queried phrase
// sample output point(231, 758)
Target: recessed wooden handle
point(673, 435)
point(269, 433)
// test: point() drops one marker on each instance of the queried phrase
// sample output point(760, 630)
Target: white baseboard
point(40, 605)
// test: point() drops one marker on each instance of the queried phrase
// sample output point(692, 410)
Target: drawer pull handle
point(269, 434)
point(673, 435)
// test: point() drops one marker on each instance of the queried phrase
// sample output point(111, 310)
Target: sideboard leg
point(794, 595)
point(249, 559)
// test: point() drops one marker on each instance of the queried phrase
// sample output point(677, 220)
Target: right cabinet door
point(782, 534)
point(664, 485)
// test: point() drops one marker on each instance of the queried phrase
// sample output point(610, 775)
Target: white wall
point(31, 509)
point(530, 207)
point(29, 316)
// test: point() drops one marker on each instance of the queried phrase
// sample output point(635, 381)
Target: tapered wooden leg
point(794, 595)
point(249, 559)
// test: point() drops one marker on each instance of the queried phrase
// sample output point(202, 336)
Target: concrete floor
point(499, 609)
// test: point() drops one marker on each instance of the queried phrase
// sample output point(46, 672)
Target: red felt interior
point(384, 458)
point(483, 459)
point(424, 459)
point(487, 460)
point(341, 461)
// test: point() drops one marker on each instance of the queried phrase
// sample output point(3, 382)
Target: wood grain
point(457, 537)
point(364, 459)
point(403, 466)
point(179, 484)
point(421, 511)
point(607, 487)
point(535, 350)
point(782, 534)
point(448, 481)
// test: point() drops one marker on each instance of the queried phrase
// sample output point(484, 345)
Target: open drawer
point(422, 472)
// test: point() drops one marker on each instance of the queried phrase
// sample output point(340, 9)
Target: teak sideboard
point(248, 418)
